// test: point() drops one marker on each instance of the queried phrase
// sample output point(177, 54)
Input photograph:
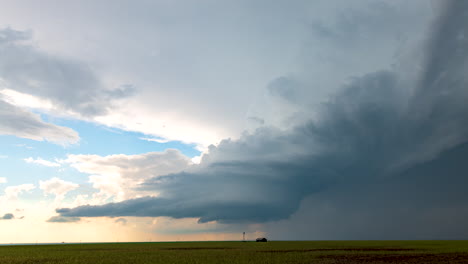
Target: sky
point(200, 120)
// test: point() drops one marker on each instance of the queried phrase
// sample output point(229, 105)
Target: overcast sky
point(199, 120)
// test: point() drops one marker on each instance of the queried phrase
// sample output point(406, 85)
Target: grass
point(242, 252)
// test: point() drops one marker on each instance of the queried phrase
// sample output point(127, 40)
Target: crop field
point(242, 252)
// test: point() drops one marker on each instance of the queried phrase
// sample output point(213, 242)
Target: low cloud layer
point(384, 146)
point(61, 219)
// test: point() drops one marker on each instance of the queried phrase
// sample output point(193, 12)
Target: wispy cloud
point(158, 140)
point(42, 162)
point(23, 146)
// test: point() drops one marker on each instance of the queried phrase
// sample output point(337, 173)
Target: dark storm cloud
point(369, 20)
point(256, 120)
point(285, 88)
point(68, 83)
point(427, 201)
point(264, 176)
point(382, 146)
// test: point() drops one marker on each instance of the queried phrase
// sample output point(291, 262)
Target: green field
point(243, 252)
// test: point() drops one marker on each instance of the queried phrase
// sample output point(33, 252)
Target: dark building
point(261, 239)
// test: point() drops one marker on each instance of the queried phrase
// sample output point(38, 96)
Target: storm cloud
point(382, 146)
point(60, 85)
point(70, 84)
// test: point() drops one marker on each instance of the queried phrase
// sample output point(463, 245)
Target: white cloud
point(115, 176)
point(138, 117)
point(25, 100)
point(197, 159)
point(3, 156)
point(57, 187)
point(109, 186)
point(12, 192)
point(81, 199)
point(158, 140)
point(3, 180)
point(19, 122)
point(42, 162)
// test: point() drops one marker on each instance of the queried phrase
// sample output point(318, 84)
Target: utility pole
point(243, 236)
